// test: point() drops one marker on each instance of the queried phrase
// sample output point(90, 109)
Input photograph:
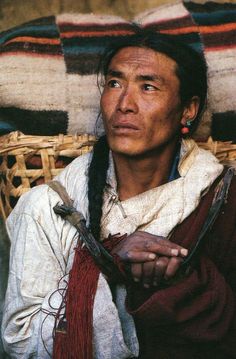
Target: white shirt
point(42, 251)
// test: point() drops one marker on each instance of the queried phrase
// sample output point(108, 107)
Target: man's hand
point(152, 273)
point(151, 257)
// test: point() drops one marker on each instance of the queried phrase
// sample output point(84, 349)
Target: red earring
point(186, 129)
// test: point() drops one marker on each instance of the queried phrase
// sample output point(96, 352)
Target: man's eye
point(148, 87)
point(113, 83)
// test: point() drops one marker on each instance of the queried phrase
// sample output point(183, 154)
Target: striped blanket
point(48, 81)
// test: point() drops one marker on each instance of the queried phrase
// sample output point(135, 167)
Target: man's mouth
point(125, 126)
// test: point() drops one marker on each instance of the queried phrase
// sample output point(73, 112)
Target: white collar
point(160, 209)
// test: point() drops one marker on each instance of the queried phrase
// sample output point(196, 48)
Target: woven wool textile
point(48, 67)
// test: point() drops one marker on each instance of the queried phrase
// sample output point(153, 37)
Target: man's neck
point(136, 175)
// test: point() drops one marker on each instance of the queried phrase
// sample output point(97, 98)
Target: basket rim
point(17, 140)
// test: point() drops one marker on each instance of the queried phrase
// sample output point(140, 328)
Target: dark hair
point(192, 74)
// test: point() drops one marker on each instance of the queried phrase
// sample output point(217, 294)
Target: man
point(146, 193)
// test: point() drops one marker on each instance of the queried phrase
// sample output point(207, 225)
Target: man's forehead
point(144, 61)
point(139, 56)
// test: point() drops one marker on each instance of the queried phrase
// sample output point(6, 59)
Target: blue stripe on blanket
point(48, 31)
point(215, 18)
point(70, 49)
point(6, 127)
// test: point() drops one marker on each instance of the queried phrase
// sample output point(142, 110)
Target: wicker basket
point(27, 161)
point(224, 151)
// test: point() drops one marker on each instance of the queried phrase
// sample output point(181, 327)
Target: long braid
point(96, 183)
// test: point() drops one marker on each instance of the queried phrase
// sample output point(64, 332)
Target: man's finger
point(136, 271)
point(173, 266)
point(148, 240)
point(138, 256)
point(147, 273)
point(164, 248)
point(160, 270)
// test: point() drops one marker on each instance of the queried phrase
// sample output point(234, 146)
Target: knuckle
point(128, 255)
point(162, 262)
point(147, 244)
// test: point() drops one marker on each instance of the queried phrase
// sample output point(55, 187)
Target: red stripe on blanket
point(217, 28)
point(34, 40)
point(202, 29)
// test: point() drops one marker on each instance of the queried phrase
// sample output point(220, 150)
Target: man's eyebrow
point(144, 77)
point(114, 73)
point(151, 77)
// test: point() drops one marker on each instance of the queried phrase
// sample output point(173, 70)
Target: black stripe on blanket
point(83, 64)
point(220, 39)
point(179, 23)
point(28, 47)
point(209, 6)
point(48, 123)
point(82, 54)
point(224, 126)
point(90, 27)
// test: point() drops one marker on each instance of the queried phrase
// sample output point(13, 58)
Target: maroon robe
point(195, 317)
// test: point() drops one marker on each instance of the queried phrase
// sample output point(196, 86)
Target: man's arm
point(41, 254)
point(37, 263)
point(201, 306)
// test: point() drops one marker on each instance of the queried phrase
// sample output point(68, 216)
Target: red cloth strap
point(75, 341)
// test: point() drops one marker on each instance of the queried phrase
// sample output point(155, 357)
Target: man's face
point(140, 102)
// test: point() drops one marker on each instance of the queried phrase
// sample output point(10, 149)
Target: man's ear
point(190, 110)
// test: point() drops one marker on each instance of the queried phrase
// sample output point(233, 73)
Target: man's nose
point(128, 101)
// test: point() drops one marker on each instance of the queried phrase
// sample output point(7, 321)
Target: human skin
point(143, 114)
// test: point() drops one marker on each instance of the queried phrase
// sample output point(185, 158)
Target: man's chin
point(123, 150)
point(127, 151)
point(123, 145)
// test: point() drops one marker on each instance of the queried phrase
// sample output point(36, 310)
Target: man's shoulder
point(41, 199)
point(77, 169)
point(35, 201)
